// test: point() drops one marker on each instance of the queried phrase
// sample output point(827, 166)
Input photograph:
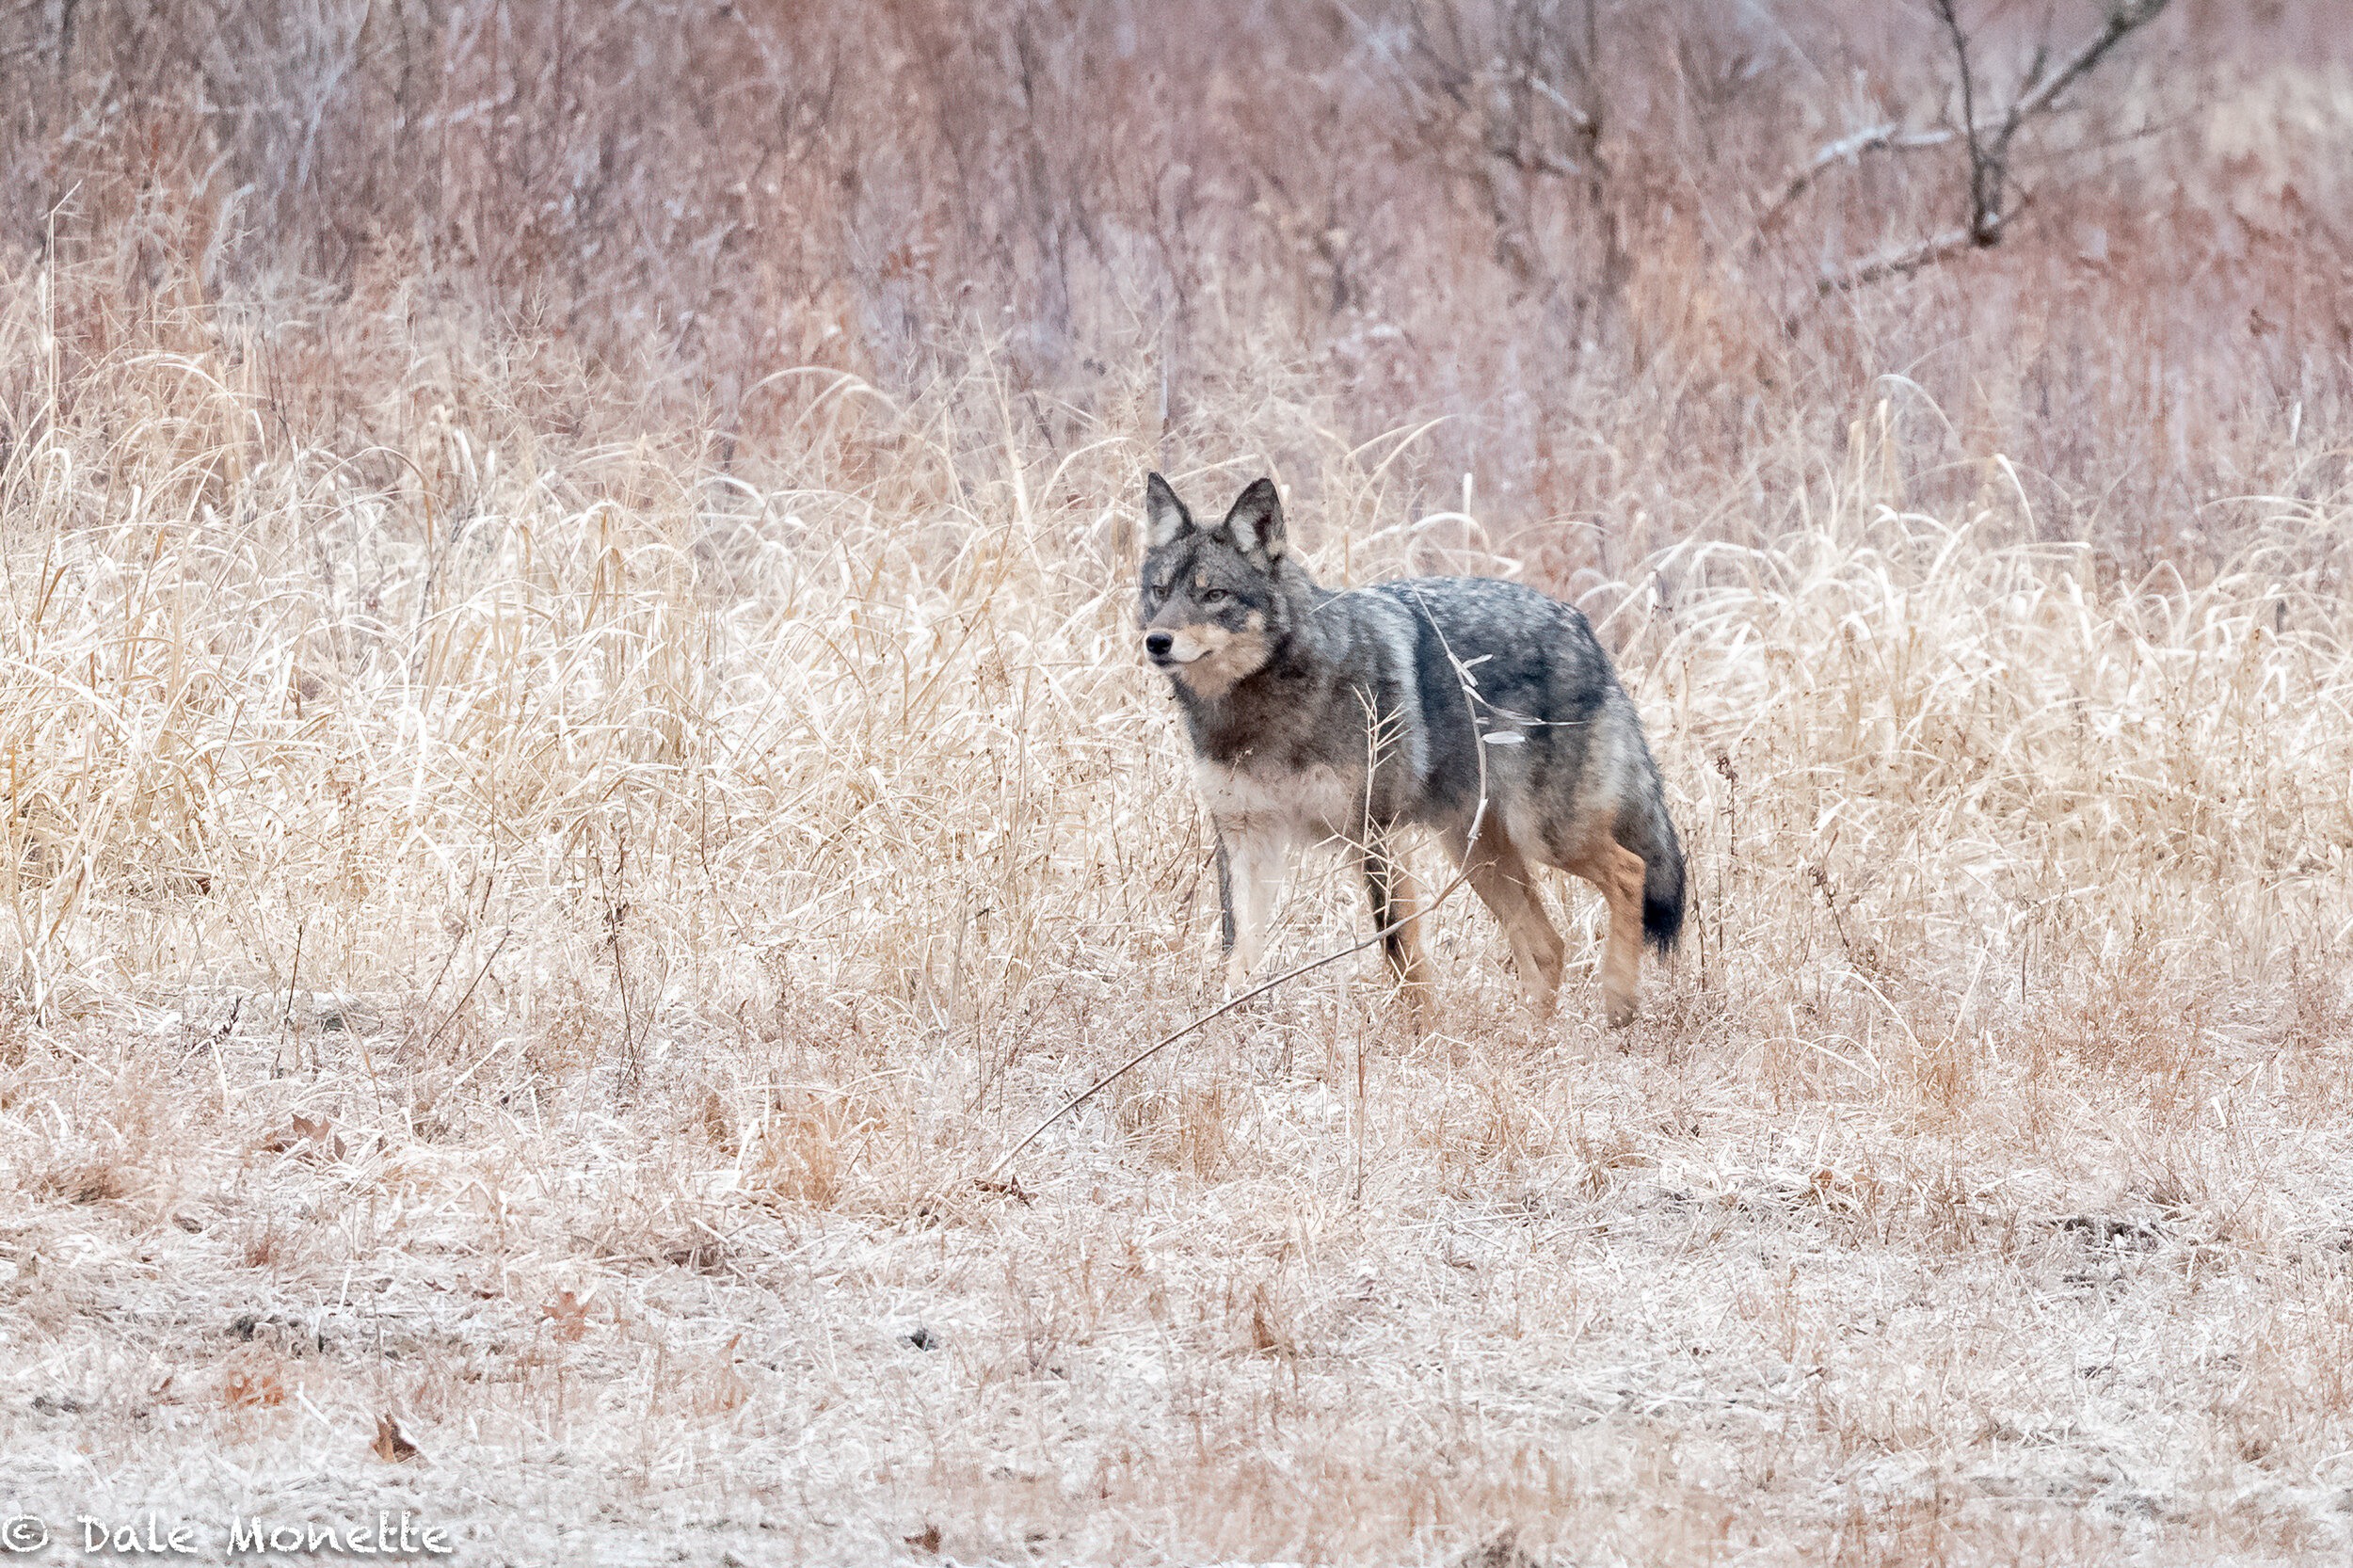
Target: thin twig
point(456, 940)
point(997, 1168)
point(293, 979)
point(1895, 264)
point(459, 1005)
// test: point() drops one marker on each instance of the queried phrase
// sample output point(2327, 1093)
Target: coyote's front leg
point(1249, 874)
point(1396, 900)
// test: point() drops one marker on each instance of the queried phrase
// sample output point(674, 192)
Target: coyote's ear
point(1256, 520)
point(1165, 519)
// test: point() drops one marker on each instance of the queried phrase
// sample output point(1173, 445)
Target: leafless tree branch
point(1987, 170)
point(2124, 18)
point(1987, 140)
point(1501, 70)
point(1902, 260)
point(1888, 137)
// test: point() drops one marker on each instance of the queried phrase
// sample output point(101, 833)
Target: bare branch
point(1987, 140)
point(1895, 264)
point(1903, 261)
point(1535, 160)
point(2124, 18)
point(1888, 137)
point(1986, 168)
point(1578, 117)
point(2036, 93)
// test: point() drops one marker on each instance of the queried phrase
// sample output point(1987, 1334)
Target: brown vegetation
point(1589, 234)
point(576, 770)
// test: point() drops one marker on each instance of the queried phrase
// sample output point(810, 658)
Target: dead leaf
point(261, 1386)
point(305, 1130)
point(391, 1444)
point(569, 1313)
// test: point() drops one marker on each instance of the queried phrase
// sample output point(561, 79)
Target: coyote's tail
point(1647, 830)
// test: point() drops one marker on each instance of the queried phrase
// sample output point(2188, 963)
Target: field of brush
point(525, 952)
point(578, 781)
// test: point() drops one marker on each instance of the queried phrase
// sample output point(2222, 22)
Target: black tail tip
point(1662, 919)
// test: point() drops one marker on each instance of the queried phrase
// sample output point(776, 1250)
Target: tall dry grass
point(536, 873)
point(877, 731)
point(571, 863)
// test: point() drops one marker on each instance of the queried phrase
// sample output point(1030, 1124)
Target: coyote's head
point(1214, 601)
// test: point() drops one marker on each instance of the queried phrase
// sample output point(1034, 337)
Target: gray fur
point(1321, 715)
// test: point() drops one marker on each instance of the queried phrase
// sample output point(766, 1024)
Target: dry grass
point(1595, 282)
point(521, 941)
point(576, 770)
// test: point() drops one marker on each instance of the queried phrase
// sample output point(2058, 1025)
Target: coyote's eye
point(1211, 597)
point(1155, 591)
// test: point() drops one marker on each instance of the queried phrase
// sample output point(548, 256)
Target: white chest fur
point(1309, 804)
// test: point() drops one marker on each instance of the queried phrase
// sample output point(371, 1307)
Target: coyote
point(1321, 715)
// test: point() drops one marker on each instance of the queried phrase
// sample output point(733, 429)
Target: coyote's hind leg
point(1501, 877)
point(1617, 871)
